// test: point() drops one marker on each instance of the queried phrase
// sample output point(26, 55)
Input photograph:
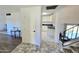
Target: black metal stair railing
point(69, 34)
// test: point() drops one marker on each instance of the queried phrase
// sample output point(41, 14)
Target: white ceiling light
point(44, 13)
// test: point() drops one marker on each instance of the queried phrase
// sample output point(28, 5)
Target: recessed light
point(44, 13)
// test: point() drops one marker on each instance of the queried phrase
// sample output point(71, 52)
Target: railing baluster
point(68, 33)
point(72, 33)
point(76, 33)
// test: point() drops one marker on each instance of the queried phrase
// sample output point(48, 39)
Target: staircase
point(70, 34)
point(72, 48)
point(70, 39)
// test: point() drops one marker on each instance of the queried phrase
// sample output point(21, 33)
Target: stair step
point(75, 49)
point(71, 42)
point(71, 49)
point(66, 50)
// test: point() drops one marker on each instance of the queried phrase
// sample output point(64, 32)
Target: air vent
point(8, 14)
point(51, 7)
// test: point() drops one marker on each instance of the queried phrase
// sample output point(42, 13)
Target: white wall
point(46, 18)
point(66, 15)
point(53, 17)
point(31, 20)
point(2, 20)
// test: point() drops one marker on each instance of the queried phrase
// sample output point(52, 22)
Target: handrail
point(71, 27)
point(68, 29)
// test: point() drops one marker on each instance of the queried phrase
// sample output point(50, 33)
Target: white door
point(36, 25)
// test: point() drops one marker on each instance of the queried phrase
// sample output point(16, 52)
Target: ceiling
point(17, 8)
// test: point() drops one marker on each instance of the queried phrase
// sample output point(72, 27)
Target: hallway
point(7, 43)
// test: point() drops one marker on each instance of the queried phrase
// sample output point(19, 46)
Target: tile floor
point(30, 48)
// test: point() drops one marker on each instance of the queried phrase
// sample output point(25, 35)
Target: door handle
point(34, 31)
